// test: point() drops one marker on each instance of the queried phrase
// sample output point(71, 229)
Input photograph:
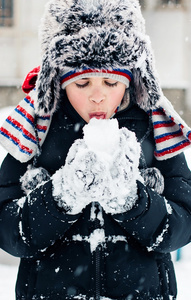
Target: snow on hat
point(105, 35)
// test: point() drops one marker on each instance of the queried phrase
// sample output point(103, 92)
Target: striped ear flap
point(17, 133)
point(48, 89)
point(172, 135)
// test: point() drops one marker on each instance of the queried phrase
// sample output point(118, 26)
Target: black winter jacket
point(56, 261)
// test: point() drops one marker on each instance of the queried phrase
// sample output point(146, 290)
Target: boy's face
point(95, 97)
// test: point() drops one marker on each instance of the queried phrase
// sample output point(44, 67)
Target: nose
point(97, 95)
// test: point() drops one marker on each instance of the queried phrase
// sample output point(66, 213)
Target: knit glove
point(80, 180)
point(101, 167)
point(120, 182)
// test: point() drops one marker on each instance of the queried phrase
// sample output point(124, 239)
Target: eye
point(82, 83)
point(111, 84)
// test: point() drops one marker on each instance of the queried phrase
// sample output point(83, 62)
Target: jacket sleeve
point(162, 223)
point(28, 224)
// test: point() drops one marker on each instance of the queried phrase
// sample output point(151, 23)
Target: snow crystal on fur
point(102, 167)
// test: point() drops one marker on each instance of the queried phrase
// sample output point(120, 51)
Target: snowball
point(102, 135)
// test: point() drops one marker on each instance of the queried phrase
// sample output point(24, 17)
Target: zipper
point(98, 283)
point(97, 258)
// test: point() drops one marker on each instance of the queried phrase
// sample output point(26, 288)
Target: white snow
point(96, 171)
point(8, 266)
point(102, 135)
point(8, 276)
point(96, 238)
point(159, 239)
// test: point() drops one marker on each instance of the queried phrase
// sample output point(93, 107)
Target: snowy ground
point(9, 265)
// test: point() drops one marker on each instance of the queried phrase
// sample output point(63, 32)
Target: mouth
point(98, 115)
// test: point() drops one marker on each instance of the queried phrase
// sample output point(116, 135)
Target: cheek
point(116, 97)
point(75, 97)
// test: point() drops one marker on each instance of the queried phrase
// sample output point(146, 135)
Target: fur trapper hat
point(96, 34)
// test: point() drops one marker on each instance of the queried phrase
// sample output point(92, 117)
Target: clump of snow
point(117, 238)
point(95, 214)
point(102, 135)
point(20, 202)
point(159, 239)
point(96, 238)
point(101, 167)
point(57, 270)
point(168, 207)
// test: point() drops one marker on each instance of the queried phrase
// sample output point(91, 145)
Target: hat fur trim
point(97, 34)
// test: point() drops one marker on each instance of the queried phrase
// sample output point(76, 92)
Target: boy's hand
point(80, 181)
point(89, 176)
point(120, 182)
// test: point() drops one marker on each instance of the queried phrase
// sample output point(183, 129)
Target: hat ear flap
point(48, 89)
point(146, 86)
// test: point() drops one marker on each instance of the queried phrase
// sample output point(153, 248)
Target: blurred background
point(168, 23)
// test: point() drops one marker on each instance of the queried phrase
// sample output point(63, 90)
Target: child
point(95, 190)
